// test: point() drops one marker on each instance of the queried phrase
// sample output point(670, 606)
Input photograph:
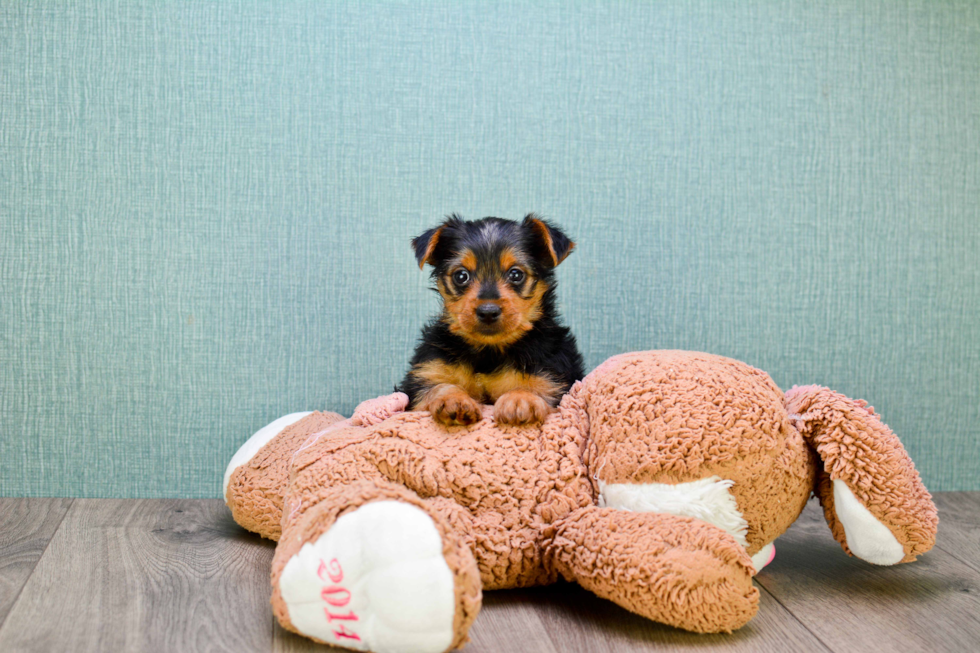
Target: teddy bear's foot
point(868, 538)
point(377, 580)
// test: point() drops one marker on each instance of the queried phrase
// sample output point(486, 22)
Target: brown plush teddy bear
point(660, 483)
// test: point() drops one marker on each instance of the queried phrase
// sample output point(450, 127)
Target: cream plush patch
point(707, 499)
point(763, 557)
point(375, 581)
point(256, 442)
point(867, 538)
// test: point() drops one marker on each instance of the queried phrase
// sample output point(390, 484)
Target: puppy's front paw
point(452, 407)
point(520, 407)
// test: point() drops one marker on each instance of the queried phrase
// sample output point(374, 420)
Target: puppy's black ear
point(425, 245)
point(551, 245)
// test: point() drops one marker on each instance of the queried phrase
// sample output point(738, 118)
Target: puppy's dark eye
point(515, 275)
point(461, 277)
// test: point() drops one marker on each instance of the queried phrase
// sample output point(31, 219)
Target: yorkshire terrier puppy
point(498, 338)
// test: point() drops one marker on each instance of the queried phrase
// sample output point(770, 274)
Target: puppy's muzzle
point(488, 313)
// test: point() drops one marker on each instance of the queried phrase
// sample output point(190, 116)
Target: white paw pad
point(375, 581)
point(867, 538)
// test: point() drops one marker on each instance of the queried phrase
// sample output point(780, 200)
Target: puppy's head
point(495, 276)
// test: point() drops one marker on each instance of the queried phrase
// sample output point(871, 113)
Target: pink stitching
point(338, 597)
point(333, 571)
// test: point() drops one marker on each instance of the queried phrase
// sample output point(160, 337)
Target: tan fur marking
point(468, 260)
point(507, 260)
point(517, 317)
point(500, 383)
point(436, 372)
point(528, 308)
point(484, 387)
point(442, 286)
point(518, 313)
point(461, 314)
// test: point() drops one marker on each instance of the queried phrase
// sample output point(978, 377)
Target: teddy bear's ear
point(551, 245)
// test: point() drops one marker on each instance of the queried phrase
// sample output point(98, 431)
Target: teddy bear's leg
point(255, 479)
point(676, 570)
point(374, 567)
point(873, 499)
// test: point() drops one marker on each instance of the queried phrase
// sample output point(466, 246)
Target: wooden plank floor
point(180, 575)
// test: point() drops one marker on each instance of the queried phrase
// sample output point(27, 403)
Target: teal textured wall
point(206, 207)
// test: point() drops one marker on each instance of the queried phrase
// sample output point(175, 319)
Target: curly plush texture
point(257, 486)
point(519, 506)
point(860, 450)
point(499, 486)
point(675, 570)
point(316, 521)
point(681, 416)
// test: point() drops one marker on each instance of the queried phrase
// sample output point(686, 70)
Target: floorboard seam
point(20, 590)
point(792, 614)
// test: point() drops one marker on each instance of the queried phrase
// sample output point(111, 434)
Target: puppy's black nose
point(488, 313)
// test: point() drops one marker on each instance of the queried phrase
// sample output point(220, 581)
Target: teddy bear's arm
point(257, 475)
point(873, 499)
point(676, 570)
point(256, 478)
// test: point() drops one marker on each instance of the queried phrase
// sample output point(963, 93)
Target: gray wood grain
point(959, 526)
point(26, 527)
point(145, 575)
point(163, 575)
point(580, 622)
point(932, 604)
point(510, 622)
point(284, 641)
